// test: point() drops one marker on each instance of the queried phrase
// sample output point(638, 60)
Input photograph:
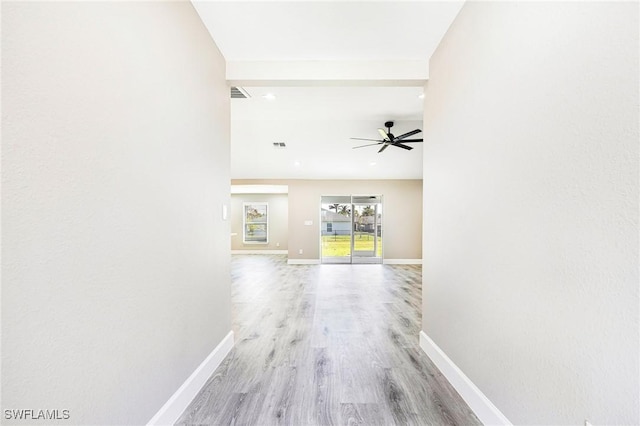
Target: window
point(329, 227)
point(255, 223)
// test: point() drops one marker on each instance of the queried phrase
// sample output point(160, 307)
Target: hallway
point(326, 344)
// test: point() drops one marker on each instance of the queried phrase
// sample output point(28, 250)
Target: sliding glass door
point(367, 229)
point(335, 229)
point(351, 229)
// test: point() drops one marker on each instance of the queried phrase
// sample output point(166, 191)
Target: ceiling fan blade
point(384, 134)
point(383, 148)
point(399, 145)
point(406, 135)
point(370, 144)
point(365, 139)
point(411, 140)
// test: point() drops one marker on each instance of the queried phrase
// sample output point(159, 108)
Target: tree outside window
point(255, 223)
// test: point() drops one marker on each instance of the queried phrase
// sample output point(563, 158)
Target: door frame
point(357, 199)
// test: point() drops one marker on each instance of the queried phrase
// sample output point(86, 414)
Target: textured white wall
point(115, 164)
point(531, 207)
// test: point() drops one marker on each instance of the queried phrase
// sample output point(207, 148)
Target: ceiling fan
point(388, 139)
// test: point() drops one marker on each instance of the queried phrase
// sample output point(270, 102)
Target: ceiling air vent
point(239, 93)
point(279, 145)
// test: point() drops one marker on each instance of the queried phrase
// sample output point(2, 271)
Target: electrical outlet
point(277, 244)
point(300, 251)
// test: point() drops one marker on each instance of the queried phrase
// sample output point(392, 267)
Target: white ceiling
point(316, 124)
point(313, 118)
point(327, 30)
point(330, 103)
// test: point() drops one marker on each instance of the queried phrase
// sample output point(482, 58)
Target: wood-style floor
point(326, 345)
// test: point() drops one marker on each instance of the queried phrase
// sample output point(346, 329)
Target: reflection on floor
point(324, 345)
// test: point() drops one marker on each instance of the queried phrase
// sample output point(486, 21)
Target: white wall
point(531, 207)
point(115, 164)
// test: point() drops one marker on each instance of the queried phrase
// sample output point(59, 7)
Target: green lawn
point(340, 245)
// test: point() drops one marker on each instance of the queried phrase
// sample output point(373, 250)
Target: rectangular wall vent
point(239, 93)
point(279, 145)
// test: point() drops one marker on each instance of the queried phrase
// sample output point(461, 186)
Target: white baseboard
point(402, 261)
point(303, 261)
point(259, 252)
point(180, 400)
point(484, 409)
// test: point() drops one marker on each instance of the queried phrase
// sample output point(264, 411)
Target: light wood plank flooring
point(326, 345)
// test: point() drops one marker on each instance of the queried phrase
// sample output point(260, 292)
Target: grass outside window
point(340, 245)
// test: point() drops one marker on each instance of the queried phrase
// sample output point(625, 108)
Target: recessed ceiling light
point(373, 163)
point(296, 163)
point(421, 96)
point(269, 96)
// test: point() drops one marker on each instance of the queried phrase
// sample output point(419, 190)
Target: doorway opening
point(351, 229)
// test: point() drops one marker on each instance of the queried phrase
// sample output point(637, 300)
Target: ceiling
point(327, 30)
point(315, 116)
point(316, 123)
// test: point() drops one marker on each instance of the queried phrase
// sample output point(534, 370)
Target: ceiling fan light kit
point(388, 139)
